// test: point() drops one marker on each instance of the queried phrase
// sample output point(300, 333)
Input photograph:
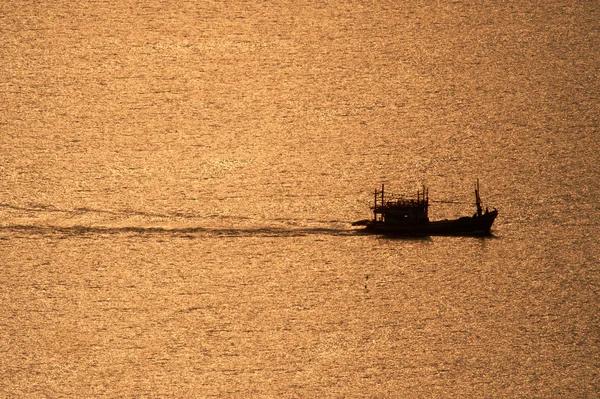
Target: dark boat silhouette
point(410, 217)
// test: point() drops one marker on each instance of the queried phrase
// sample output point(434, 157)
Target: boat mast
point(478, 199)
point(375, 206)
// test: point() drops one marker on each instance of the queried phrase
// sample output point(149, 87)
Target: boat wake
point(187, 232)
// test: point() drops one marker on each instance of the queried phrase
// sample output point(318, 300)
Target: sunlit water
point(178, 181)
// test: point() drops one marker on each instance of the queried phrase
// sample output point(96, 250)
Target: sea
point(178, 182)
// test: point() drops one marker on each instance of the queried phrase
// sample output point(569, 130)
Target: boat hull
point(464, 226)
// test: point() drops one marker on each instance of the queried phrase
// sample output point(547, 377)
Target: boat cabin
point(400, 210)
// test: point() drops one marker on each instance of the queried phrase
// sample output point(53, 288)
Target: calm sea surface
point(178, 181)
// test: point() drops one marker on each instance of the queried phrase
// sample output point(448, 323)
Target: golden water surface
point(178, 179)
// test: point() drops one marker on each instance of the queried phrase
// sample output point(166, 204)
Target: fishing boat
point(398, 215)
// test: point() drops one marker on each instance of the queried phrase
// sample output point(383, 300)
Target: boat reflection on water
point(396, 215)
